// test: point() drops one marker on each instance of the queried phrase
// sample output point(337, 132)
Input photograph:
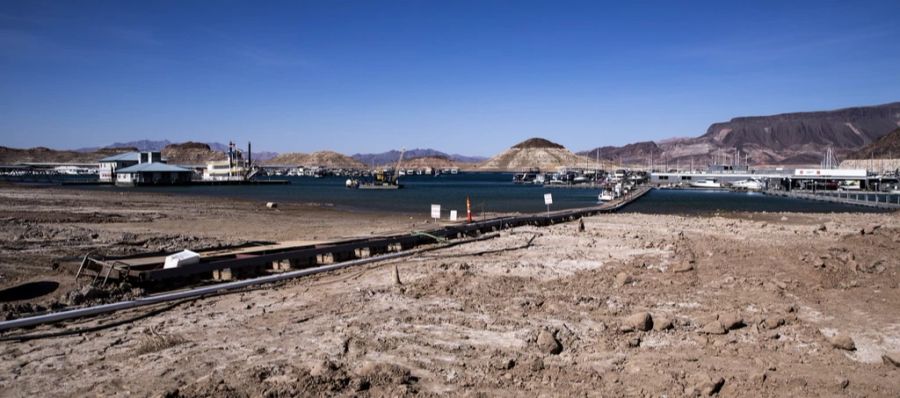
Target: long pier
point(340, 253)
point(224, 264)
point(867, 199)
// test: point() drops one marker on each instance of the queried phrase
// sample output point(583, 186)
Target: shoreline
point(534, 311)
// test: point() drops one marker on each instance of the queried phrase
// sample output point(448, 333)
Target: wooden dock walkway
point(291, 255)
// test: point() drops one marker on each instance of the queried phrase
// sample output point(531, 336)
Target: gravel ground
point(743, 304)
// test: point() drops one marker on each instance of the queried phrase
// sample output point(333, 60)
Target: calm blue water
point(490, 192)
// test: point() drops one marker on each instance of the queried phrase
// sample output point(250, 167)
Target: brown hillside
point(47, 155)
point(886, 147)
point(328, 159)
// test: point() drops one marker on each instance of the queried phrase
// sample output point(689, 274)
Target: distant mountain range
point(786, 139)
point(392, 156)
point(799, 138)
point(159, 145)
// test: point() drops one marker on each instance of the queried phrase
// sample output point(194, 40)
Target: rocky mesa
point(786, 139)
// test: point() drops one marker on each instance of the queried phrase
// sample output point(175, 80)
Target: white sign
point(548, 199)
point(830, 172)
point(452, 215)
point(435, 211)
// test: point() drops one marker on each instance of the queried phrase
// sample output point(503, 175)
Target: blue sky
point(459, 76)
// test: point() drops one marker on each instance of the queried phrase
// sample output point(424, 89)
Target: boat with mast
point(381, 179)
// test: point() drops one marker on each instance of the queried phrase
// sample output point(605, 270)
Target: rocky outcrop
point(797, 138)
point(635, 153)
point(535, 153)
point(191, 153)
point(327, 159)
point(885, 147)
point(47, 155)
point(789, 139)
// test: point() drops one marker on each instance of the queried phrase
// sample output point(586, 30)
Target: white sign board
point(435, 211)
point(548, 199)
point(452, 215)
point(830, 172)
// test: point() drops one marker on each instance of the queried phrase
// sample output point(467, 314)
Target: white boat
point(849, 185)
point(605, 196)
point(705, 184)
point(748, 184)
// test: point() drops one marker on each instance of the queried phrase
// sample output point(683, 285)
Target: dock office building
point(151, 169)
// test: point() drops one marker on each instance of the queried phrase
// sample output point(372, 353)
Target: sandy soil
point(45, 232)
point(637, 305)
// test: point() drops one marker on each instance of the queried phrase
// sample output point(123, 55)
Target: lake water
point(490, 192)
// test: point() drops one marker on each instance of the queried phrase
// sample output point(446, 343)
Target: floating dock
point(225, 264)
point(192, 183)
point(877, 200)
point(587, 185)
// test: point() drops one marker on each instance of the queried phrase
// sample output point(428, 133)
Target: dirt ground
point(742, 304)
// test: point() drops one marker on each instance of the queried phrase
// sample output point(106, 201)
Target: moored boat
point(705, 184)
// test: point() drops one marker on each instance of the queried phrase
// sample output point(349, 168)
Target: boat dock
point(250, 260)
point(192, 183)
point(589, 185)
point(240, 182)
point(878, 200)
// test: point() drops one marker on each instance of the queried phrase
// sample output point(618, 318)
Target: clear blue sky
point(465, 77)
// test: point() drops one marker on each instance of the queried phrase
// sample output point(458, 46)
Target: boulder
point(683, 266)
point(638, 321)
point(714, 327)
point(773, 322)
point(661, 323)
point(547, 343)
point(623, 279)
point(705, 385)
point(731, 320)
point(843, 342)
point(891, 358)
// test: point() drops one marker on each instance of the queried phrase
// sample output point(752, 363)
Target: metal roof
point(153, 168)
point(123, 157)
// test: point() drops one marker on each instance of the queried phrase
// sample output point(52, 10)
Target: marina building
point(152, 170)
point(110, 164)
